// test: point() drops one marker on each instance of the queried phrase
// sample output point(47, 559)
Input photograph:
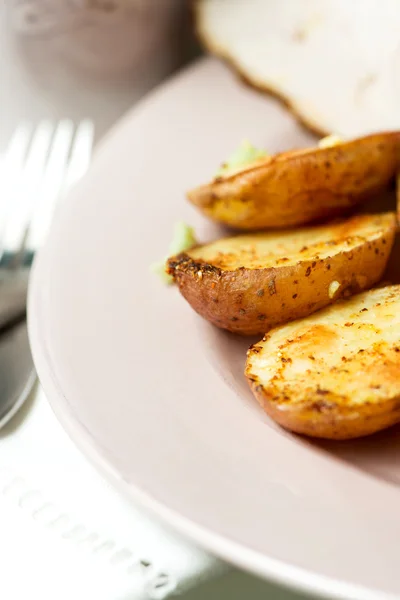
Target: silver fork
point(39, 166)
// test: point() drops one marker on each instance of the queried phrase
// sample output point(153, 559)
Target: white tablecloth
point(70, 533)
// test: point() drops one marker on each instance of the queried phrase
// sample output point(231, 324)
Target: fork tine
point(52, 183)
point(11, 166)
point(28, 188)
point(81, 153)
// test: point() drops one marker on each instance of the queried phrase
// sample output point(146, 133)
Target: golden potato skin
point(252, 300)
point(328, 419)
point(336, 374)
point(398, 196)
point(299, 187)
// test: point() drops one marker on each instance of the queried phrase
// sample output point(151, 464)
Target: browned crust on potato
point(322, 416)
point(398, 196)
point(302, 186)
point(251, 301)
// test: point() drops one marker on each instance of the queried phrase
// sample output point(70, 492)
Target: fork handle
point(13, 292)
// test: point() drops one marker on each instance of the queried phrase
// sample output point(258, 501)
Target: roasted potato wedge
point(335, 374)
point(398, 195)
point(302, 186)
point(250, 283)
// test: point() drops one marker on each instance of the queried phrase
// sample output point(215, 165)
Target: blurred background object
point(105, 38)
point(80, 58)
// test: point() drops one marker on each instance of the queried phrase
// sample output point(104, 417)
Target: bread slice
point(334, 62)
point(335, 374)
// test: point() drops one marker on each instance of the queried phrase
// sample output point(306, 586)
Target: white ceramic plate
point(156, 396)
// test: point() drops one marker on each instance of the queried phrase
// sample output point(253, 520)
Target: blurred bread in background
point(336, 63)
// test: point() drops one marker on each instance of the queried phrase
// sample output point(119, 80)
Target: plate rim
point(285, 574)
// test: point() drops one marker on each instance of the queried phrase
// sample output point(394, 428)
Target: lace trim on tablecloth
point(157, 584)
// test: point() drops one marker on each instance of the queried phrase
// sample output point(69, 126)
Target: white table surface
point(24, 95)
